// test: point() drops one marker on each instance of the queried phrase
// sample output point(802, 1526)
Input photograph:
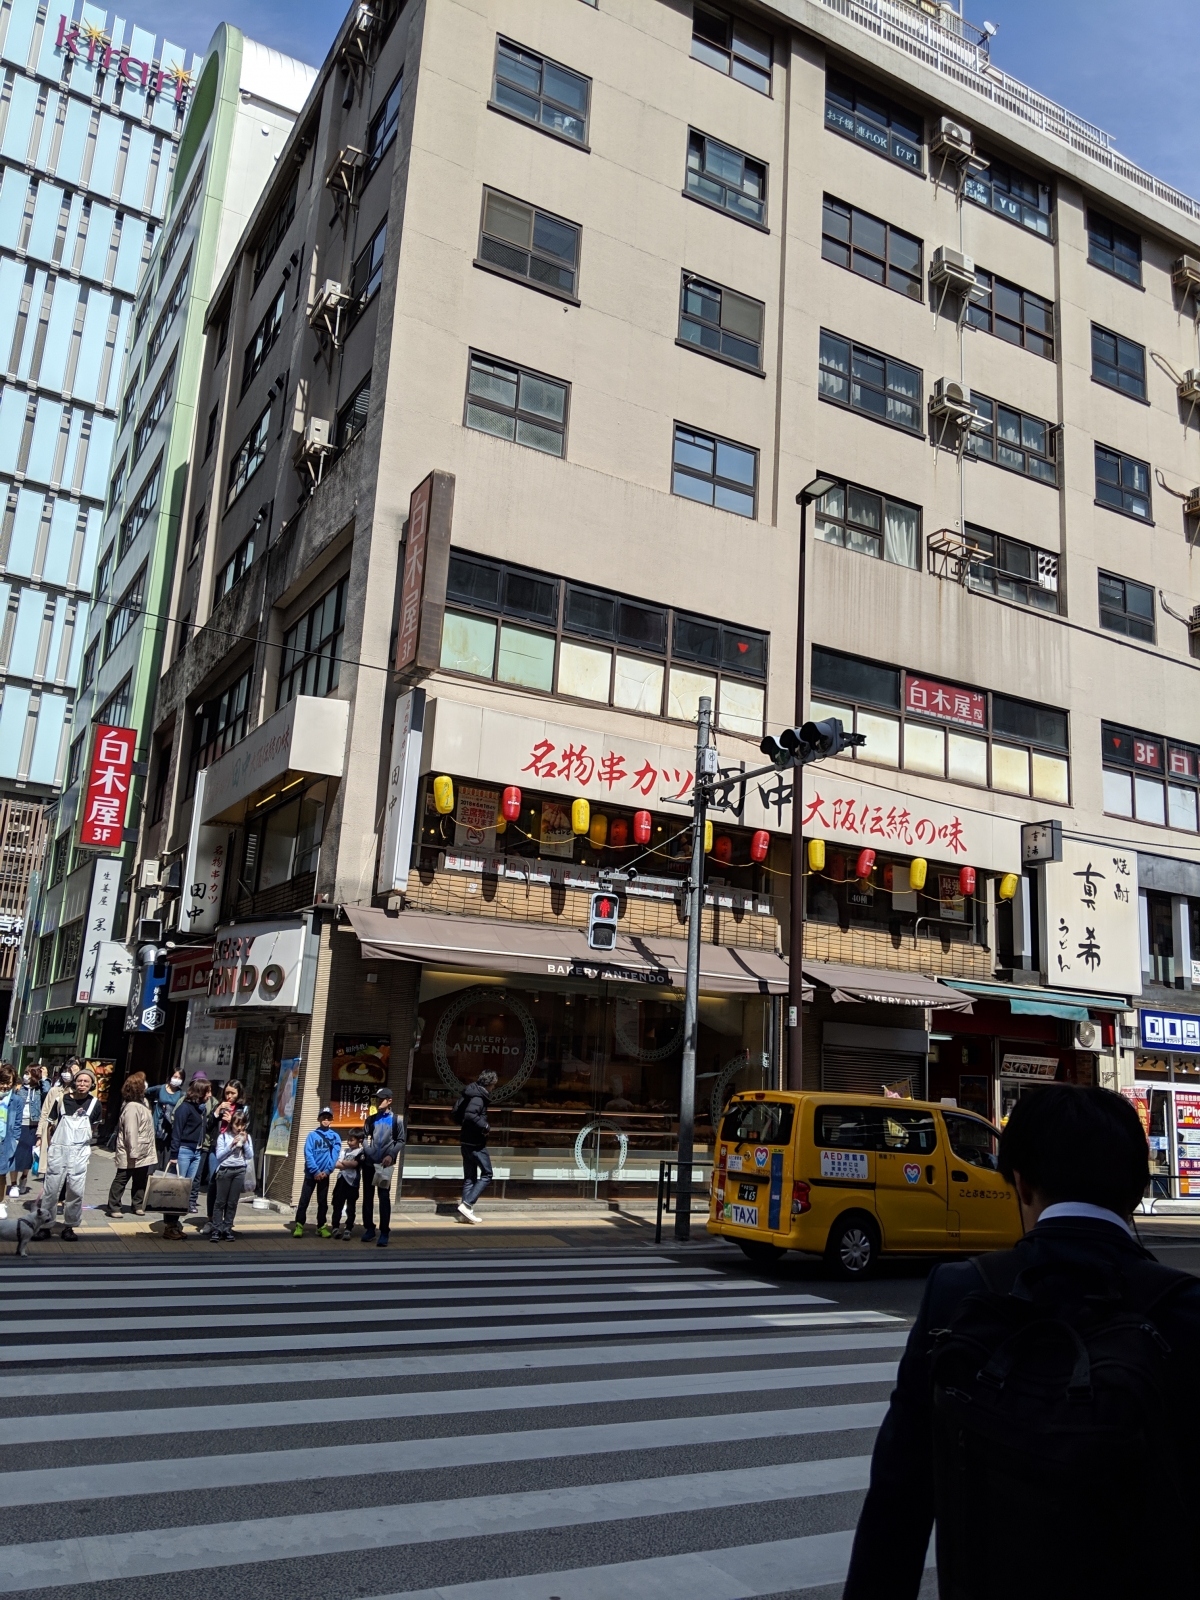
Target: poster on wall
point(361, 1059)
point(1140, 1100)
point(103, 1067)
point(557, 836)
point(475, 819)
point(1187, 1141)
point(279, 1136)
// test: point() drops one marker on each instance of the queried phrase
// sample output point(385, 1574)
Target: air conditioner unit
point(317, 431)
point(1193, 626)
point(149, 875)
point(950, 403)
point(952, 139)
point(330, 298)
point(952, 268)
point(1185, 274)
point(1189, 389)
point(1191, 506)
point(1088, 1036)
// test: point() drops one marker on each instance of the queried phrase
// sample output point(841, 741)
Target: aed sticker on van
point(741, 1216)
point(912, 1172)
point(734, 1164)
point(761, 1155)
point(844, 1164)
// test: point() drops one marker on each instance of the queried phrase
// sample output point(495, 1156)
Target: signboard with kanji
point(1091, 918)
point(426, 566)
point(107, 792)
point(925, 698)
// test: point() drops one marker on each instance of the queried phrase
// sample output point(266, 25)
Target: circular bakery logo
point(482, 1028)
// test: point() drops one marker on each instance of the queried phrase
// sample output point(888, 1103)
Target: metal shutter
point(849, 1071)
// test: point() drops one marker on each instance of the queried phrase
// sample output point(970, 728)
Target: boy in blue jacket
point(322, 1149)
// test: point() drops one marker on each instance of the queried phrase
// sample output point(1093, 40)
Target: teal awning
point(1030, 1000)
point(1047, 1008)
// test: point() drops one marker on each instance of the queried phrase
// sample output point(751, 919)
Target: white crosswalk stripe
point(508, 1427)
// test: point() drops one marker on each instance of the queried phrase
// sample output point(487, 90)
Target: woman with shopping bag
point(136, 1151)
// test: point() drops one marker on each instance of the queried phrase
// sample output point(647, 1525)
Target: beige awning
point(528, 948)
point(886, 988)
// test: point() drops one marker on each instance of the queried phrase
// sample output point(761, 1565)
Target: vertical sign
point(111, 976)
point(403, 775)
point(1187, 1141)
point(98, 930)
point(426, 568)
point(203, 868)
point(107, 786)
point(1091, 910)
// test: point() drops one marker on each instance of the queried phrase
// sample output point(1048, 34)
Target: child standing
point(345, 1188)
point(234, 1153)
point(321, 1151)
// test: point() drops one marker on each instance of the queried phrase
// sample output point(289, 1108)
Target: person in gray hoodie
point(383, 1144)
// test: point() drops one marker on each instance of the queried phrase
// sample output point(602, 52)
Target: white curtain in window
point(900, 534)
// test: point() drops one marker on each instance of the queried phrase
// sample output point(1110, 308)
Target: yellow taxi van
point(851, 1176)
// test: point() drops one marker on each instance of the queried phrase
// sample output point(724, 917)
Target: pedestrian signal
point(602, 922)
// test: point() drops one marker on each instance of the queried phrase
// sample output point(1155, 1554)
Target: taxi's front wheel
point(853, 1248)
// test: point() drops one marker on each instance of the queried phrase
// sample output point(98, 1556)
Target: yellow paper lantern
point(581, 816)
point(501, 822)
point(816, 855)
point(1008, 886)
point(443, 794)
point(598, 832)
point(918, 868)
point(708, 836)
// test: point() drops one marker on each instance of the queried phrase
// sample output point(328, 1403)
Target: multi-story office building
point(243, 106)
point(565, 305)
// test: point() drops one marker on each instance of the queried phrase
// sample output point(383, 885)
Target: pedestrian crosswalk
point(499, 1427)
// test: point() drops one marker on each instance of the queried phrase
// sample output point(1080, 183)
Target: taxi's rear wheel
point(853, 1248)
point(761, 1253)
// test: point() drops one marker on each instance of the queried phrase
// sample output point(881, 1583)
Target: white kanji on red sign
point(108, 786)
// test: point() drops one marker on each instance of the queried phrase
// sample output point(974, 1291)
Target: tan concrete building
point(627, 278)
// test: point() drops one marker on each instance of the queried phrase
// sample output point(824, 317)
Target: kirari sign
point(93, 45)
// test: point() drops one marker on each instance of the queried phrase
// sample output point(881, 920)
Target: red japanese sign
point(839, 816)
point(1147, 753)
point(925, 698)
point(1181, 763)
point(107, 790)
point(607, 769)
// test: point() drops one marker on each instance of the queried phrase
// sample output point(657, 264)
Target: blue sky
point(1128, 65)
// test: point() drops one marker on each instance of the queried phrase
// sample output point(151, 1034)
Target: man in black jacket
point(473, 1137)
point(1078, 1161)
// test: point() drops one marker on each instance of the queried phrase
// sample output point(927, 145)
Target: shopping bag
point(167, 1191)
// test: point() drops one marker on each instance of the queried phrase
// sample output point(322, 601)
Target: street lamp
point(816, 490)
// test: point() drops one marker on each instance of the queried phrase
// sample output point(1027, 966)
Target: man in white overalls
point(73, 1129)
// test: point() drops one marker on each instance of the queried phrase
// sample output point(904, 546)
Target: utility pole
point(706, 766)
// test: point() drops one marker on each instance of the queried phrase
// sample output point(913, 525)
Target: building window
point(716, 472)
point(1118, 362)
point(284, 842)
point(123, 613)
point(1149, 778)
point(541, 91)
point(45, 959)
point(217, 725)
point(721, 322)
point(1016, 315)
point(1011, 194)
point(1114, 249)
point(117, 482)
point(114, 713)
point(88, 671)
point(731, 46)
point(162, 771)
point(1013, 440)
point(127, 404)
point(513, 403)
point(1010, 570)
point(236, 567)
point(367, 272)
point(1126, 607)
point(169, 312)
point(62, 856)
point(1123, 482)
point(872, 248)
point(250, 456)
point(210, 436)
point(199, 523)
point(104, 570)
point(311, 658)
point(141, 510)
point(874, 525)
point(262, 340)
point(383, 126)
point(352, 418)
point(154, 411)
point(278, 223)
point(70, 945)
point(523, 242)
point(851, 375)
point(525, 628)
point(944, 730)
point(182, 217)
point(723, 177)
point(860, 114)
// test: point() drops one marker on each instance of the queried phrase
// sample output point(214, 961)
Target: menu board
point(1187, 1141)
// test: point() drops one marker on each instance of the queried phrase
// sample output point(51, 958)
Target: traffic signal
point(602, 921)
point(813, 741)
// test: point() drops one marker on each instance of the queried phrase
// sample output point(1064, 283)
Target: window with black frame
point(250, 456)
point(859, 113)
point(153, 413)
point(1122, 483)
point(869, 523)
point(1126, 607)
point(521, 241)
point(217, 725)
point(114, 712)
point(1009, 569)
point(1150, 778)
point(168, 314)
point(352, 418)
point(311, 653)
point(1016, 315)
point(962, 734)
point(541, 91)
point(1118, 362)
point(1011, 194)
point(366, 275)
point(731, 45)
point(283, 843)
point(1113, 248)
point(1013, 440)
point(263, 339)
point(278, 223)
point(383, 125)
point(864, 380)
point(872, 248)
point(514, 403)
point(721, 322)
point(721, 176)
point(122, 616)
point(538, 632)
point(715, 472)
point(141, 510)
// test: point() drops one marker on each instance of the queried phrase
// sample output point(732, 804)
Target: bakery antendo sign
point(502, 749)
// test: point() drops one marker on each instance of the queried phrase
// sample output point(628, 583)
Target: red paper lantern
point(723, 849)
point(641, 827)
point(760, 843)
point(618, 834)
point(888, 877)
point(510, 803)
point(966, 880)
point(865, 865)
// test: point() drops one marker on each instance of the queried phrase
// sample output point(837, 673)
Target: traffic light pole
point(795, 1016)
point(705, 765)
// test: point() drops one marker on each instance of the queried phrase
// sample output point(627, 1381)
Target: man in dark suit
point(1078, 1161)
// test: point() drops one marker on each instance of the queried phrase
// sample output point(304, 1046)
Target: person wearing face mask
point(163, 1100)
point(35, 1092)
point(60, 1086)
point(74, 1125)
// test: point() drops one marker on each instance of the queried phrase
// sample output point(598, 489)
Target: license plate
point(747, 1191)
point(741, 1216)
